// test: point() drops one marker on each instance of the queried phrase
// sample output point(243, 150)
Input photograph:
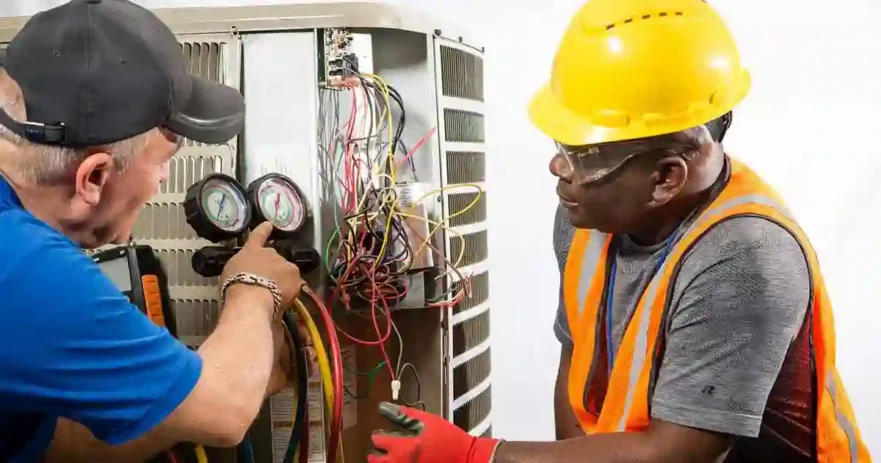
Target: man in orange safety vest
point(694, 320)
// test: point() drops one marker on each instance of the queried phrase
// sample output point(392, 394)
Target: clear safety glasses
point(598, 162)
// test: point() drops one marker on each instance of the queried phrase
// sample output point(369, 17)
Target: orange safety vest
point(629, 387)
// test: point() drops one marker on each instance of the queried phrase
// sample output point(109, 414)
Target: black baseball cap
point(95, 72)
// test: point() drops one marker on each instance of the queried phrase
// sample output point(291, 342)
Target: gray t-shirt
point(738, 303)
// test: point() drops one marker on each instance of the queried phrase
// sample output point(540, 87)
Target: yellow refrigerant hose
point(201, 456)
point(323, 368)
point(323, 361)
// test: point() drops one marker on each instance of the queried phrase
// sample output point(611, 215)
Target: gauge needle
point(220, 204)
point(277, 203)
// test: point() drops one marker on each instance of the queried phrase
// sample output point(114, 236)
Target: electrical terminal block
point(342, 56)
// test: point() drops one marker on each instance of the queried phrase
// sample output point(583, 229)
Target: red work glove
point(426, 438)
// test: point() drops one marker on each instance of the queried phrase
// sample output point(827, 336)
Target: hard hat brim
point(562, 125)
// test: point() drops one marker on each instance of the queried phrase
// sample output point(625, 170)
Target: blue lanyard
point(665, 251)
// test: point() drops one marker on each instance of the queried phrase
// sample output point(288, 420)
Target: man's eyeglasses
point(598, 162)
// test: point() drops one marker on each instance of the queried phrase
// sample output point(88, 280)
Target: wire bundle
point(371, 251)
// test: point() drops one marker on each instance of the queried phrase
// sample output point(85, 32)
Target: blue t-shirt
point(73, 346)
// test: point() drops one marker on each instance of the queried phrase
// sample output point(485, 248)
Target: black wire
point(374, 269)
point(380, 106)
point(402, 120)
point(418, 401)
point(399, 128)
point(299, 353)
point(245, 450)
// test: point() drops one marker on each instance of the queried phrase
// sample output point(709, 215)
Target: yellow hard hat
point(629, 69)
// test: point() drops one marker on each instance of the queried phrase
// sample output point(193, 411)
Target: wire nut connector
point(396, 390)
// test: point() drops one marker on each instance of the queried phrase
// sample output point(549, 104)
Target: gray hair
point(47, 163)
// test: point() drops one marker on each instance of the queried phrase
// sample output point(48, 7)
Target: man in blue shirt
point(95, 98)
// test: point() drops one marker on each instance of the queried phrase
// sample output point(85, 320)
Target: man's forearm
point(663, 442)
point(565, 422)
point(74, 443)
point(600, 448)
point(238, 357)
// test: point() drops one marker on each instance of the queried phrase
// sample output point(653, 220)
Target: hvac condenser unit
point(291, 62)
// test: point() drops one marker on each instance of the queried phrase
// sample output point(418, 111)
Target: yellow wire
point(392, 204)
point(375, 174)
point(442, 223)
point(456, 235)
point(387, 97)
point(201, 456)
point(323, 362)
point(437, 225)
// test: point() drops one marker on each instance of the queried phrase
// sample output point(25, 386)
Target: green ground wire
point(371, 375)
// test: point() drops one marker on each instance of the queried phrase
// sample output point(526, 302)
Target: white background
point(809, 126)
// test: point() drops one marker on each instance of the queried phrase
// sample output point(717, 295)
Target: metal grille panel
point(463, 126)
point(188, 167)
point(475, 248)
point(462, 135)
point(177, 264)
point(163, 221)
point(471, 373)
point(470, 333)
point(206, 60)
point(461, 74)
point(479, 293)
point(474, 412)
point(196, 315)
point(460, 202)
point(465, 167)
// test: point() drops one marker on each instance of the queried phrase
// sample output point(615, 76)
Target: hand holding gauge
point(219, 209)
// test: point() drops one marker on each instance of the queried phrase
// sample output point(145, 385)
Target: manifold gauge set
point(219, 208)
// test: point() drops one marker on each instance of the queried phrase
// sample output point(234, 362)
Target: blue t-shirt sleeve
point(73, 346)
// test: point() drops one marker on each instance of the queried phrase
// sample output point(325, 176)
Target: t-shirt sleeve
point(745, 294)
point(73, 346)
point(563, 233)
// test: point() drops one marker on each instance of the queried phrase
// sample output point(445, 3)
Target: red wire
point(418, 145)
point(388, 317)
point(381, 338)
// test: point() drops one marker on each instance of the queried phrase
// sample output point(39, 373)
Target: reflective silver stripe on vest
point(641, 355)
point(640, 348)
point(589, 264)
point(843, 420)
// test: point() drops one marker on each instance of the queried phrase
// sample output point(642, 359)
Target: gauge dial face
point(280, 204)
point(224, 205)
